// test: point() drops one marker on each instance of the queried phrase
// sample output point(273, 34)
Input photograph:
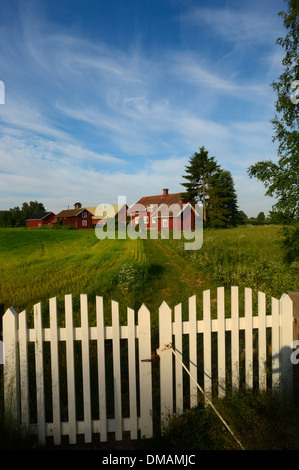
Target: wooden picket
point(279, 322)
point(175, 357)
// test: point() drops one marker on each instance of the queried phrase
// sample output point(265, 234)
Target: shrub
point(290, 242)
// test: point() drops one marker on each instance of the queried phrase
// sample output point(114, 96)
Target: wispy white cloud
point(201, 75)
point(251, 24)
point(84, 118)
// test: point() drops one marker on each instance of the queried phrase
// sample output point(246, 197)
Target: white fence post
point(286, 339)
point(207, 343)
point(86, 368)
point(39, 361)
point(235, 345)
point(145, 372)
point(193, 351)
point(248, 339)
point(116, 371)
point(55, 371)
point(178, 331)
point(166, 372)
point(24, 371)
point(71, 395)
point(275, 345)
point(101, 368)
point(11, 378)
point(262, 347)
point(132, 373)
point(221, 342)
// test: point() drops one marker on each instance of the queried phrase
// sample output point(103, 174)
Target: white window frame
point(84, 215)
point(165, 223)
point(145, 219)
point(84, 223)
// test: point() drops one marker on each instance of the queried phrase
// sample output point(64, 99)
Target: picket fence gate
point(173, 331)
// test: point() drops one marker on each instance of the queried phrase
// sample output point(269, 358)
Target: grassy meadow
point(37, 264)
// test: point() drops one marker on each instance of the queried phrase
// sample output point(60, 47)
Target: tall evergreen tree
point(209, 184)
point(199, 174)
point(223, 205)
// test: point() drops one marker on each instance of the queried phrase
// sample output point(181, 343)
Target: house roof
point(168, 199)
point(163, 211)
point(71, 212)
point(110, 209)
point(40, 215)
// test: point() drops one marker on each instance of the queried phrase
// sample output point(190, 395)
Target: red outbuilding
point(79, 217)
point(41, 219)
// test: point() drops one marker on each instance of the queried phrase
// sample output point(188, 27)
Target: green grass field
point(38, 264)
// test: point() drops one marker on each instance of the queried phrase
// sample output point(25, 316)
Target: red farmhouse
point(79, 217)
point(41, 219)
point(163, 212)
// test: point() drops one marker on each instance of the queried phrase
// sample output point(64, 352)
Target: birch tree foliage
point(281, 176)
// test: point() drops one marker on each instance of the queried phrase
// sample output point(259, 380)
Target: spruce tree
point(199, 174)
point(223, 205)
point(209, 184)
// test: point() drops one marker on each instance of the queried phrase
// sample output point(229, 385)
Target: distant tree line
point(261, 219)
point(16, 216)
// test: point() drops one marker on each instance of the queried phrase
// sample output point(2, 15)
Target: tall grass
point(249, 256)
point(259, 421)
point(36, 265)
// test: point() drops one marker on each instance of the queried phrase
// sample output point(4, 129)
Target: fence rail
point(42, 391)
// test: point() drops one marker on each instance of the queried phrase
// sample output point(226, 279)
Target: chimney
point(165, 192)
point(78, 205)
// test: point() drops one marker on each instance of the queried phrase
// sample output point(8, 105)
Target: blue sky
point(108, 98)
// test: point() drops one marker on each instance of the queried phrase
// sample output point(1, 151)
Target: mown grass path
point(36, 265)
point(174, 279)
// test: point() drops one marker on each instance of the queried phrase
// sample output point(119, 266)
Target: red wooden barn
point(79, 217)
point(41, 219)
point(163, 212)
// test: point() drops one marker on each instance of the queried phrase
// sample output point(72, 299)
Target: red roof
point(72, 212)
point(165, 198)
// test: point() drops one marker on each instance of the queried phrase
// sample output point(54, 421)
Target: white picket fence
point(193, 341)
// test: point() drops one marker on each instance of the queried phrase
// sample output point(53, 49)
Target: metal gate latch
point(152, 359)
